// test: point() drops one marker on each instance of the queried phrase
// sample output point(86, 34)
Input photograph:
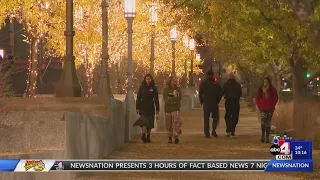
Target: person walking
point(232, 93)
point(210, 96)
point(266, 100)
point(172, 98)
point(147, 105)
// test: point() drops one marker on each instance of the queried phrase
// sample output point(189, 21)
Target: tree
point(88, 31)
point(308, 12)
point(6, 72)
point(291, 44)
point(36, 17)
point(263, 33)
point(48, 21)
point(6, 90)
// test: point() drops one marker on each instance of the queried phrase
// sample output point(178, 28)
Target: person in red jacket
point(266, 100)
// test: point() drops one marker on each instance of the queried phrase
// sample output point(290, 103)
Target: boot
point(170, 140)
point(143, 138)
point(214, 134)
point(263, 131)
point(268, 129)
point(176, 140)
point(148, 138)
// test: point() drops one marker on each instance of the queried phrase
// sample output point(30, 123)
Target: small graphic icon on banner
point(59, 165)
point(281, 149)
point(285, 147)
point(37, 165)
point(275, 150)
point(276, 140)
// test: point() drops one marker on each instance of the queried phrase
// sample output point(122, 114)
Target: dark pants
point(214, 112)
point(232, 115)
point(266, 117)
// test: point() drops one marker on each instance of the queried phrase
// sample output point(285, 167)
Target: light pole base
point(104, 87)
point(130, 111)
point(69, 85)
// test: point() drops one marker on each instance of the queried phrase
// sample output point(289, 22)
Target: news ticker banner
point(155, 165)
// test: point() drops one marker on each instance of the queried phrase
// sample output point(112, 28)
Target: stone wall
point(53, 127)
point(66, 128)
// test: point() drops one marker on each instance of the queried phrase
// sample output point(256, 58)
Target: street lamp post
point(220, 71)
point(69, 85)
point(104, 81)
point(173, 37)
point(129, 13)
point(191, 46)
point(154, 18)
point(198, 57)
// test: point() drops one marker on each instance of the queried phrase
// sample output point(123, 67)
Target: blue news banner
point(300, 151)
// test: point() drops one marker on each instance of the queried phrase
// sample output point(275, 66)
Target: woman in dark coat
point(147, 105)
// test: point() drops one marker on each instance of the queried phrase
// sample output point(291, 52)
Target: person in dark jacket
point(266, 100)
point(210, 96)
point(232, 92)
point(147, 104)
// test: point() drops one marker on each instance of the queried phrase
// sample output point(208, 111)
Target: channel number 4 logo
point(281, 150)
point(285, 147)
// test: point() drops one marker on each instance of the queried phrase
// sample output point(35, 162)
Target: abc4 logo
point(282, 148)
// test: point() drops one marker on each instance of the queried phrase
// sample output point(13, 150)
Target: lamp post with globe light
point(198, 57)
point(69, 85)
point(191, 46)
point(104, 89)
point(173, 37)
point(130, 14)
point(153, 19)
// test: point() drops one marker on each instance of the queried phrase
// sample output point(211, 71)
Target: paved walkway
point(194, 146)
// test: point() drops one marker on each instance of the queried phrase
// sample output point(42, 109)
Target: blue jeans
point(214, 112)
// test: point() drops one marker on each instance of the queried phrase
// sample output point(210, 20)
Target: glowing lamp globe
point(191, 44)
point(130, 8)
point(154, 15)
point(173, 34)
point(198, 57)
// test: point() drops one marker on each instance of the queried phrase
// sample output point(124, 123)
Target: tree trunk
point(302, 116)
point(248, 90)
point(276, 73)
point(118, 79)
point(276, 81)
point(254, 86)
point(33, 69)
